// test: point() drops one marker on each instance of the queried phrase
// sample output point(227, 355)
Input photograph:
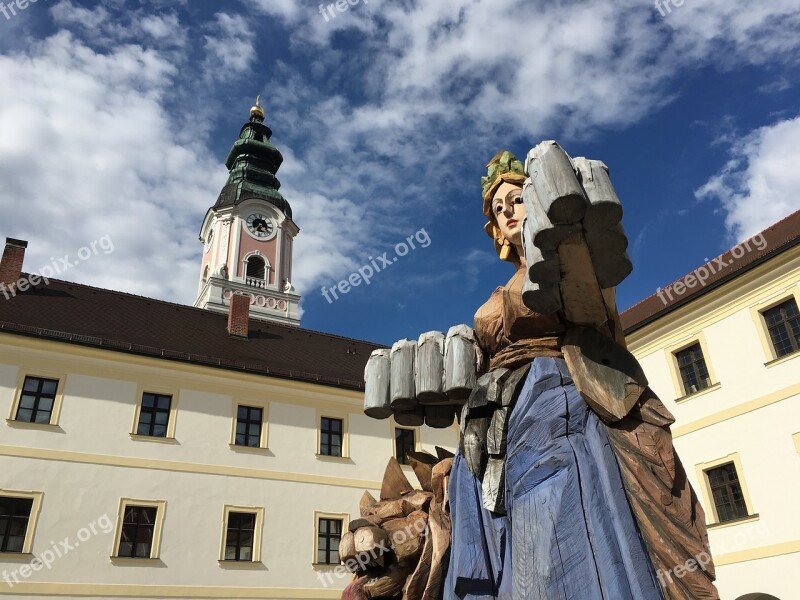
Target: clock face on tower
point(261, 226)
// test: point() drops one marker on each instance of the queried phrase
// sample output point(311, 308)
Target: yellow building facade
point(724, 358)
point(86, 465)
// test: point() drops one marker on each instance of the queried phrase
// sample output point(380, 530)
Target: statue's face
point(509, 211)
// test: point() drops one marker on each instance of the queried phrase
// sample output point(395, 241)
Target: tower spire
point(249, 232)
point(253, 163)
point(257, 112)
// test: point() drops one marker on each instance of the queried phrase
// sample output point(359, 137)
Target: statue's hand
point(424, 381)
point(573, 239)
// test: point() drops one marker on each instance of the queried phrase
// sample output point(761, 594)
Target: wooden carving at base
point(400, 546)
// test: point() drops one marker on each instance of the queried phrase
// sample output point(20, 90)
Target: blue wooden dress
point(569, 532)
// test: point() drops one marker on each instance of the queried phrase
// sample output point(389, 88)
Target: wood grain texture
point(367, 503)
point(540, 230)
point(429, 376)
point(347, 546)
point(395, 483)
point(403, 359)
point(544, 299)
point(408, 536)
point(461, 363)
point(556, 184)
point(580, 291)
point(415, 585)
point(608, 377)
point(670, 517)
point(368, 521)
point(377, 373)
point(605, 209)
point(370, 540)
point(493, 485)
point(543, 266)
point(496, 435)
point(608, 249)
point(389, 585)
point(439, 531)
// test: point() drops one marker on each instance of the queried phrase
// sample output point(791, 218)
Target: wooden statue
point(566, 484)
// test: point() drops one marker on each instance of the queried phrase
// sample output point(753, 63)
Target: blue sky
point(116, 116)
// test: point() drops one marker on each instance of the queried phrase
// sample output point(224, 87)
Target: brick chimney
point(11, 265)
point(239, 316)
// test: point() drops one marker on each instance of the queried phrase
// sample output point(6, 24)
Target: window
point(331, 434)
point(154, 415)
point(15, 513)
point(404, 442)
point(139, 524)
point(329, 534)
point(138, 527)
point(256, 268)
point(240, 536)
point(248, 426)
point(783, 324)
point(256, 271)
point(726, 492)
point(693, 370)
point(37, 400)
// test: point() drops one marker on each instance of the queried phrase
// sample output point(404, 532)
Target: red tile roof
point(89, 316)
point(738, 260)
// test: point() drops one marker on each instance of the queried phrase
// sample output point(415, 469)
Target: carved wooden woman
point(566, 485)
point(581, 508)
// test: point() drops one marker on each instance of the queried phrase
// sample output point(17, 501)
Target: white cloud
point(105, 28)
point(229, 52)
point(447, 83)
point(572, 66)
point(88, 151)
point(286, 9)
point(759, 185)
point(729, 32)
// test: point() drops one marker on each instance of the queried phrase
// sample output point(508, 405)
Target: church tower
point(248, 234)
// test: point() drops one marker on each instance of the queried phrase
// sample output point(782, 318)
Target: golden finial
point(256, 112)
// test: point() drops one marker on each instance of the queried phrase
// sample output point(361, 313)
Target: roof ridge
point(205, 311)
point(775, 246)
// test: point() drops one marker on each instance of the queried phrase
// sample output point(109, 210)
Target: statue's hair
point(503, 168)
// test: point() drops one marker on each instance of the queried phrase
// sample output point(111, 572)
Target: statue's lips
point(512, 223)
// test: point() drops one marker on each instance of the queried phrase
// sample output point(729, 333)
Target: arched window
point(256, 271)
point(205, 275)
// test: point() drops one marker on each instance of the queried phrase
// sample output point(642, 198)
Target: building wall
point(89, 461)
point(750, 416)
